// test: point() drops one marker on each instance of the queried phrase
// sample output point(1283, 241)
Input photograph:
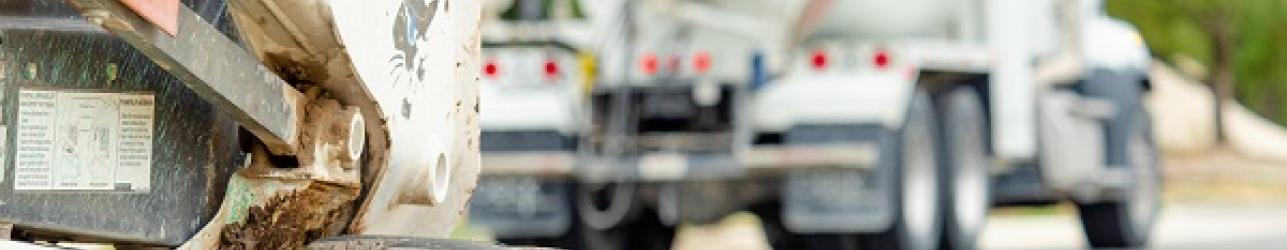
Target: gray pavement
point(1206, 225)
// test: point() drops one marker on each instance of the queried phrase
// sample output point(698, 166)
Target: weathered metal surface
point(412, 67)
point(429, 103)
point(194, 148)
point(271, 213)
point(420, 61)
point(213, 66)
point(275, 205)
point(48, 23)
point(331, 147)
point(42, 15)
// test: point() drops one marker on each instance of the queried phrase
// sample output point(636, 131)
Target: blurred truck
point(533, 95)
point(851, 123)
point(894, 119)
point(664, 122)
point(596, 112)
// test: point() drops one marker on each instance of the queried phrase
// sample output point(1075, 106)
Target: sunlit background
point(1214, 91)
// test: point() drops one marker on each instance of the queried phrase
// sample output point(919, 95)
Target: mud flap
point(1070, 145)
point(842, 200)
point(837, 201)
point(521, 207)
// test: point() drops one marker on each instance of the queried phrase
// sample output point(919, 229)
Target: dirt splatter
point(296, 69)
point(289, 220)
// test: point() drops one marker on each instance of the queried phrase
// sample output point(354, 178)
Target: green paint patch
point(238, 199)
point(242, 194)
point(465, 231)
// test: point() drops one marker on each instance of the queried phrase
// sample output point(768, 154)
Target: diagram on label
point(83, 141)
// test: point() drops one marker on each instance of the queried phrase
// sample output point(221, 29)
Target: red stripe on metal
point(162, 13)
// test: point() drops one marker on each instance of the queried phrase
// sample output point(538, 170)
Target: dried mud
point(289, 220)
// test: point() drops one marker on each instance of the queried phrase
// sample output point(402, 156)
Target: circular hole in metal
point(357, 136)
point(441, 178)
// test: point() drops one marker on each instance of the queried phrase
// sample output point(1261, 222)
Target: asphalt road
point(1207, 225)
point(1182, 226)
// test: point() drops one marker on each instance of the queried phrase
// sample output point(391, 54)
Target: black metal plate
point(194, 148)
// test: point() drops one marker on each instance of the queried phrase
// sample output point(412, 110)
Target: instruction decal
point(70, 140)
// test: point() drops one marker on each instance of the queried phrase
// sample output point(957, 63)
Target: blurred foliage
point(1176, 29)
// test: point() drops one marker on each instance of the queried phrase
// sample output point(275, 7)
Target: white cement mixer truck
point(901, 122)
point(857, 123)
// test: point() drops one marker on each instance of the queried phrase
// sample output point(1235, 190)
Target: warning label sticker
point(70, 140)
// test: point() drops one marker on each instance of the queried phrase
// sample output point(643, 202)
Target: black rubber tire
point(1114, 224)
point(640, 229)
point(647, 232)
point(644, 233)
point(920, 121)
point(770, 214)
point(966, 193)
point(601, 239)
point(559, 242)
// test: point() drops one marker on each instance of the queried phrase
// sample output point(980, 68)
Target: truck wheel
point(611, 217)
point(647, 232)
point(602, 210)
point(1127, 222)
point(966, 193)
point(916, 207)
point(643, 232)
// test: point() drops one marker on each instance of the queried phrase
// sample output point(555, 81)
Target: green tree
point(1234, 39)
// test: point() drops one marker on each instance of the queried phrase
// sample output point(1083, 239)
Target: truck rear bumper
point(835, 155)
point(541, 152)
point(662, 166)
point(808, 146)
point(541, 163)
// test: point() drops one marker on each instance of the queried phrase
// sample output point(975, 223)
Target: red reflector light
point(648, 64)
point(551, 69)
point(701, 62)
point(880, 59)
point(490, 69)
point(819, 60)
